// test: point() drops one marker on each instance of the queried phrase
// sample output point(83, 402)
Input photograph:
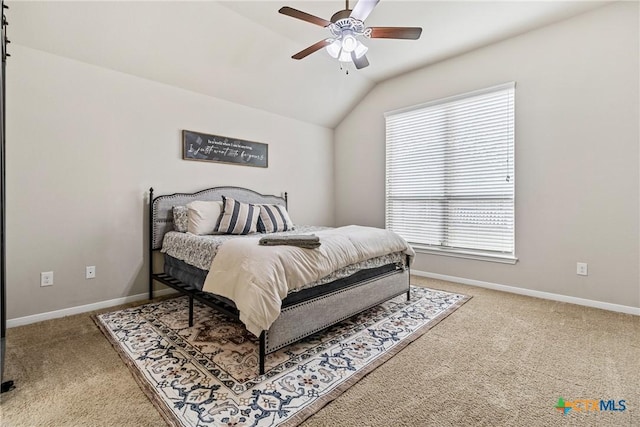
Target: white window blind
point(450, 174)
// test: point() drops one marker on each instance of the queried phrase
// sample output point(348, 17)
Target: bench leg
point(190, 311)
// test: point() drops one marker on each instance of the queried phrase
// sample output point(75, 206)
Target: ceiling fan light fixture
point(336, 51)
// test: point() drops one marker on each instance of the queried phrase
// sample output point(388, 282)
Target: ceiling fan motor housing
point(342, 14)
point(344, 25)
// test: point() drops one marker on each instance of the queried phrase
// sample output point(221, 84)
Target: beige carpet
point(500, 359)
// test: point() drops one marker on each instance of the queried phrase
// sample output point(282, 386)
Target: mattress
point(194, 277)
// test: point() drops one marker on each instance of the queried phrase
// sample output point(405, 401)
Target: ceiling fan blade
point(410, 33)
point(312, 48)
point(295, 13)
point(359, 62)
point(363, 9)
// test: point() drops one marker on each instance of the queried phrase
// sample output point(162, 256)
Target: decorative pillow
point(274, 218)
point(180, 218)
point(203, 216)
point(238, 217)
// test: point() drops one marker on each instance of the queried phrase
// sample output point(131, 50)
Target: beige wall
point(577, 153)
point(84, 146)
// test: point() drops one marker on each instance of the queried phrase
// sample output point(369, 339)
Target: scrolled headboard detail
point(161, 209)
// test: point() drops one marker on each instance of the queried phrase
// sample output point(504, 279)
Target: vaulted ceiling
point(241, 51)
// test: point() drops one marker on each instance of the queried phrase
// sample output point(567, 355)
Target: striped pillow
point(237, 217)
point(274, 218)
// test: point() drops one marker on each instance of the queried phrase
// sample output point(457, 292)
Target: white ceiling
point(241, 50)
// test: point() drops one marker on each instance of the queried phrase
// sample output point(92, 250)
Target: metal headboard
point(161, 210)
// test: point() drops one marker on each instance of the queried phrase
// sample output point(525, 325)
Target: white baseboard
point(529, 292)
point(20, 321)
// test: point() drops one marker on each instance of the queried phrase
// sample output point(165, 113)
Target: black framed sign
point(216, 148)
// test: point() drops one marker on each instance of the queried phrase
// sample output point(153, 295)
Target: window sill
point(478, 256)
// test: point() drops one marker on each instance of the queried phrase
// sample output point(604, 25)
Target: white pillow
point(203, 216)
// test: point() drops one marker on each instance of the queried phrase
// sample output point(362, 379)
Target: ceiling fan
point(346, 27)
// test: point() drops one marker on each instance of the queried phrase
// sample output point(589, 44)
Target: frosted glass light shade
point(345, 57)
point(349, 43)
point(334, 48)
point(360, 50)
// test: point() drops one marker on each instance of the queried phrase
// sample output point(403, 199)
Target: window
point(450, 174)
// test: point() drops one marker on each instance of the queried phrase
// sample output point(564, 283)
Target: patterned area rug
point(206, 375)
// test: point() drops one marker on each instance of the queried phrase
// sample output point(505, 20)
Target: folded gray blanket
point(307, 241)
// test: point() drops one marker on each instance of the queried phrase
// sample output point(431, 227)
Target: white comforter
point(257, 278)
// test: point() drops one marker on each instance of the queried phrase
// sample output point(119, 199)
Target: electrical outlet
point(582, 269)
point(46, 278)
point(91, 272)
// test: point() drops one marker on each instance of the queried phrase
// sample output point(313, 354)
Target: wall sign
point(216, 148)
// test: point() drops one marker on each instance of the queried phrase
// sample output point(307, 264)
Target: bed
point(307, 310)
